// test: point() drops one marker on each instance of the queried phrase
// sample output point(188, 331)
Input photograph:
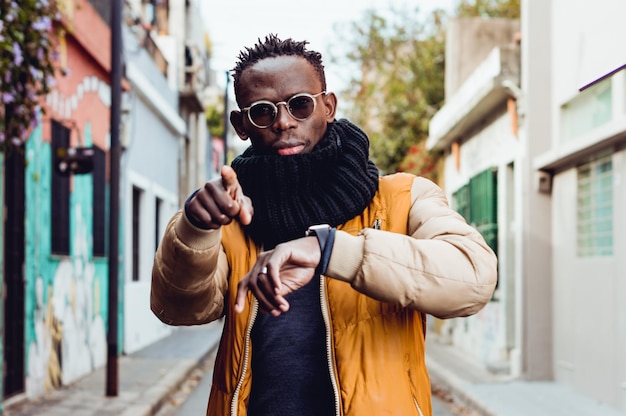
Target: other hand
point(277, 273)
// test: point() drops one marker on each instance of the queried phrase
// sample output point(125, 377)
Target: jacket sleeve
point(443, 267)
point(189, 274)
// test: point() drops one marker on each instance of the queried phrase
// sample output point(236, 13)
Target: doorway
point(14, 279)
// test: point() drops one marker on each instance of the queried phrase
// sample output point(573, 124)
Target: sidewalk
point(146, 379)
point(149, 376)
point(496, 395)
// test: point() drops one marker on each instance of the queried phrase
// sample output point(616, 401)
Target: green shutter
point(483, 206)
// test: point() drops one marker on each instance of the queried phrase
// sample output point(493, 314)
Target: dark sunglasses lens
point(301, 107)
point(262, 114)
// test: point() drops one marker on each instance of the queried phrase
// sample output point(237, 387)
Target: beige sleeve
point(189, 274)
point(443, 267)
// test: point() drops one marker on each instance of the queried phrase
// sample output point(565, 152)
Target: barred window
point(136, 224)
point(157, 222)
point(595, 208)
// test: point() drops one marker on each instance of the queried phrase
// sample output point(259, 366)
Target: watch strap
point(325, 235)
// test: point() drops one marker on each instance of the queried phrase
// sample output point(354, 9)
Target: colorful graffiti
point(66, 325)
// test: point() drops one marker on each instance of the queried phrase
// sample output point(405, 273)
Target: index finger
point(229, 178)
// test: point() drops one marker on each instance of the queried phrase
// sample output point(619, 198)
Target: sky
point(233, 25)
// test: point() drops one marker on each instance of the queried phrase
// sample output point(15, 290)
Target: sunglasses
point(263, 113)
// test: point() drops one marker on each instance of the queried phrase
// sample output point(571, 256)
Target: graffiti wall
point(66, 307)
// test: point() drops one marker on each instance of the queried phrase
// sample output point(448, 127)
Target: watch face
point(314, 228)
point(319, 227)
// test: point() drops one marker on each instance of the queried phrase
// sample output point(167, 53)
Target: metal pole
point(114, 210)
point(226, 119)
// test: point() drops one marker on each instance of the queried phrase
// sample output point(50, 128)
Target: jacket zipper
point(377, 224)
point(246, 357)
point(329, 352)
point(419, 409)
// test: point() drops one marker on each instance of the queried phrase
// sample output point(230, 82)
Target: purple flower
point(17, 141)
point(42, 24)
point(7, 98)
point(17, 51)
point(35, 73)
point(2, 137)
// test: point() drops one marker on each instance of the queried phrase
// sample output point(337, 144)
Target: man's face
point(276, 80)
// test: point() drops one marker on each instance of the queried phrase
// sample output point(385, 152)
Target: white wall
point(141, 327)
point(590, 298)
point(484, 335)
point(589, 293)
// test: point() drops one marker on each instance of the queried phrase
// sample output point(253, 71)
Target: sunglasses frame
point(286, 103)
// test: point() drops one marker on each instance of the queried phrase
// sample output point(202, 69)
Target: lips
point(287, 151)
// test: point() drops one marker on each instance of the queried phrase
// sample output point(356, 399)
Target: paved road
point(191, 400)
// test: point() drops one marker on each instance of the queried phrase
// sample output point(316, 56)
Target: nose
point(284, 120)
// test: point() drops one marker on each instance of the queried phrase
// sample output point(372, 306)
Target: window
point(136, 256)
point(462, 202)
point(589, 110)
point(594, 215)
point(99, 202)
point(60, 193)
point(484, 205)
point(157, 222)
point(477, 202)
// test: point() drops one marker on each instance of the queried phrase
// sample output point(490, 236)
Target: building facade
point(547, 160)
point(584, 159)
point(152, 130)
point(54, 234)
point(477, 132)
point(55, 273)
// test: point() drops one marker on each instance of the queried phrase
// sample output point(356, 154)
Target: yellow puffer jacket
point(378, 288)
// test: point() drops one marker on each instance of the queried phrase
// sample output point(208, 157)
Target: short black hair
point(272, 46)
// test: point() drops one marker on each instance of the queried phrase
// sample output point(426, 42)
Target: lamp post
point(226, 119)
point(114, 210)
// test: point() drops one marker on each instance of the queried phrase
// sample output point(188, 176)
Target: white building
point(165, 134)
point(557, 157)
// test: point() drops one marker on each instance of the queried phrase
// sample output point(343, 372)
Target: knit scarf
point(330, 185)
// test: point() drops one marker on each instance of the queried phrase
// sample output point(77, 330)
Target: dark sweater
point(289, 364)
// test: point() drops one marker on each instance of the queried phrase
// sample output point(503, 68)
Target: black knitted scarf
point(330, 185)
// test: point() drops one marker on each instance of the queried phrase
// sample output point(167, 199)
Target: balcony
point(484, 90)
point(194, 80)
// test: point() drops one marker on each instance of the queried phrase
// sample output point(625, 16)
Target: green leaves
point(401, 81)
point(397, 80)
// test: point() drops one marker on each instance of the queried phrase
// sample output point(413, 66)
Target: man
point(331, 323)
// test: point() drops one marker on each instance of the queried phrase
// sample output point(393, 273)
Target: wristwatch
point(321, 231)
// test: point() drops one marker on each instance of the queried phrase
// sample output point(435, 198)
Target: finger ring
point(263, 270)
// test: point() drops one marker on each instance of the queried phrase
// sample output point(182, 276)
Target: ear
point(236, 119)
point(330, 106)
